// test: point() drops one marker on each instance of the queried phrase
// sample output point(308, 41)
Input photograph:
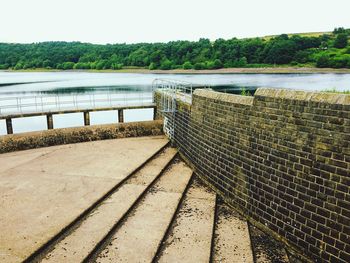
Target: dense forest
point(330, 50)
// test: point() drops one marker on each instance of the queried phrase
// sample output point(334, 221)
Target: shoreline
point(271, 70)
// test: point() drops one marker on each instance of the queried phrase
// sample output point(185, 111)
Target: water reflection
point(2, 127)
point(29, 124)
point(234, 89)
point(132, 88)
point(48, 81)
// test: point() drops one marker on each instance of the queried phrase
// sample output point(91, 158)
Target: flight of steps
point(161, 213)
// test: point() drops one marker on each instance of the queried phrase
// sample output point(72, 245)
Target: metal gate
point(171, 91)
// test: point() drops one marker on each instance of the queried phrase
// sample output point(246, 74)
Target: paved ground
point(87, 201)
point(43, 190)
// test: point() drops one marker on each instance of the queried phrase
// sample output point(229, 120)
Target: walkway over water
point(124, 200)
point(26, 104)
point(14, 107)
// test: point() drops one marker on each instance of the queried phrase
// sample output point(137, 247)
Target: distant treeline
point(328, 50)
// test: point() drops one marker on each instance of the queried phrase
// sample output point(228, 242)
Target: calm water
point(138, 87)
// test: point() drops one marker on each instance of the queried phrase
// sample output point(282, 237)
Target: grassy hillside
point(305, 34)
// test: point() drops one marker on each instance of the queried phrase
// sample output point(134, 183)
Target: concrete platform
point(43, 190)
point(83, 203)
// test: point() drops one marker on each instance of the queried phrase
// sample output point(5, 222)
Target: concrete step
point(190, 235)
point(79, 243)
point(138, 239)
point(231, 238)
point(265, 248)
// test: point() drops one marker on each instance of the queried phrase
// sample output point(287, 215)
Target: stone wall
point(281, 158)
point(16, 142)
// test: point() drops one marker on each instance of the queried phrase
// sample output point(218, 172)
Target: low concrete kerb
point(31, 140)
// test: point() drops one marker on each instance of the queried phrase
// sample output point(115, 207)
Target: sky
point(133, 21)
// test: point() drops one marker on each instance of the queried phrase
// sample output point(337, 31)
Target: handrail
point(44, 103)
point(65, 111)
point(178, 88)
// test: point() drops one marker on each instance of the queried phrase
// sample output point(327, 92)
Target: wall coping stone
point(314, 96)
point(232, 98)
point(288, 94)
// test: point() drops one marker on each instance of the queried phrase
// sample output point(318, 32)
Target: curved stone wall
point(281, 158)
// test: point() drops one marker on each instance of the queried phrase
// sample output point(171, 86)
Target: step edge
point(48, 246)
point(103, 243)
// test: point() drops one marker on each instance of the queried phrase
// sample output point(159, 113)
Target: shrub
point(245, 92)
point(4, 66)
point(68, 65)
point(187, 65)
point(199, 66)
point(116, 66)
point(152, 66)
point(323, 61)
point(218, 63)
point(209, 65)
point(100, 65)
point(166, 64)
point(18, 66)
point(341, 41)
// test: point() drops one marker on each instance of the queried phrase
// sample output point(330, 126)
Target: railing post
point(9, 126)
point(120, 115)
point(49, 121)
point(154, 113)
point(86, 118)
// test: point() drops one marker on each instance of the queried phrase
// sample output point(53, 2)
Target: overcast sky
point(130, 21)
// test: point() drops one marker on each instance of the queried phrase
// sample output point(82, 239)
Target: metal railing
point(170, 92)
point(177, 88)
point(57, 102)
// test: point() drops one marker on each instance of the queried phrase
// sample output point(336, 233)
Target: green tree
point(4, 66)
point(341, 41)
point(280, 51)
point(47, 63)
point(18, 66)
point(323, 61)
point(100, 65)
point(339, 30)
point(156, 57)
point(217, 64)
point(117, 66)
point(199, 66)
point(166, 64)
point(68, 65)
point(176, 54)
point(152, 66)
point(187, 65)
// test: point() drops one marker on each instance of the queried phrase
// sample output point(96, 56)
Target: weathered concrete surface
point(138, 239)
point(266, 249)
point(76, 246)
point(232, 240)
point(190, 237)
point(43, 190)
point(30, 140)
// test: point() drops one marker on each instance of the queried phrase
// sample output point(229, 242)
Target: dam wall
point(280, 158)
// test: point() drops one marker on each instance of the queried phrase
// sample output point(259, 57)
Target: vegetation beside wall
point(330, 50)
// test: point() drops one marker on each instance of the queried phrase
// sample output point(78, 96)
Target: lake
point(136, 88)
